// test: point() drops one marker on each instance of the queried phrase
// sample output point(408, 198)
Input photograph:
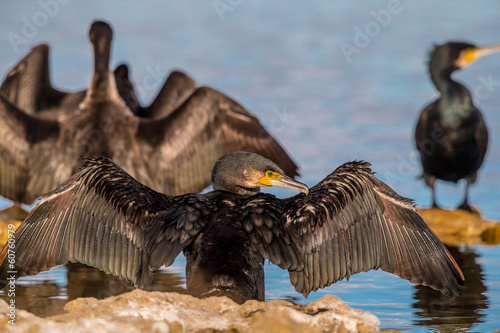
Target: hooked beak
point(470, 55)
point(288, 182)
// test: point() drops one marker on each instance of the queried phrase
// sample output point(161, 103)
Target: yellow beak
point(275, 179)
point(472, 54)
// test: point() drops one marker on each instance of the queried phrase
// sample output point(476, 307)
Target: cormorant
point(451, 135)
point(348, 223)
point(173, 154)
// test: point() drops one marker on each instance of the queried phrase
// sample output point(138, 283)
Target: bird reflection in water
point(46, 298)
point(448, 314)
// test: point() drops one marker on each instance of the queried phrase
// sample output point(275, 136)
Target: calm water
point(329, 95)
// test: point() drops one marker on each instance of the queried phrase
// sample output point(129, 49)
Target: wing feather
point(104, 218)
point(352, 222)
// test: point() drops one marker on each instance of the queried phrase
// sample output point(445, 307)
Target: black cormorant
point(451, 135)
point(348, 223)
point(173, 154)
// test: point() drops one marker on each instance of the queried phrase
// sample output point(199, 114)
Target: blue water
point(288, 64)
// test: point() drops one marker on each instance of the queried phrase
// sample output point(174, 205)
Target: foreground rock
point(459, 227)
point(141, 311)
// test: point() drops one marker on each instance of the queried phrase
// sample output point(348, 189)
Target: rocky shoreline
point(142, 311)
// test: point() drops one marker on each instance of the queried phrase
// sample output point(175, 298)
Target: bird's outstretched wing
point(27, 85)
point(182, 148)
point(104, 218)
point(126, 88)
point(20, 132)
point(26, 82)
point(244, 132)
point(351, 222)
point(176, 89)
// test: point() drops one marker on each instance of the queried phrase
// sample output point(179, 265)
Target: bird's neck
point(103, 84)
point(456, 101)
point(441, 77)
point(102, 88)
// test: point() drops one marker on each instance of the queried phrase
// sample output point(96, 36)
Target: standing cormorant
point(348, 223)
point(451, 135)
point(173, 154)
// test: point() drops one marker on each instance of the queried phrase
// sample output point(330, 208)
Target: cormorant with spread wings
point(348, 223)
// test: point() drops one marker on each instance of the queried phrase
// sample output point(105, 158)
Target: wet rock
point(461, 227)
point(141, 311)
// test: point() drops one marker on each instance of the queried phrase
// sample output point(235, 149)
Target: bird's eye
point(269, 173)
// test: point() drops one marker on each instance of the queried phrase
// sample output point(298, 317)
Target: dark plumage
point(173, 154)
point(125, 88)
point(348, 223)
point(451, 135)
point(27, 85)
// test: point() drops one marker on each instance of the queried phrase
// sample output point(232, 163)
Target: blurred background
point(332, 81)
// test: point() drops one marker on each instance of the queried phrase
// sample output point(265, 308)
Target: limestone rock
point(141, 311)
point(460, 227)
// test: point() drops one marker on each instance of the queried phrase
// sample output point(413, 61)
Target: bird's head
point(100, 30)
point(458, 55)
point(244, 173)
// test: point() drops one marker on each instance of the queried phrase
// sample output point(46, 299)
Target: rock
point(142, 311)
point(10, 218)
point(459, 227)
point(5, 226)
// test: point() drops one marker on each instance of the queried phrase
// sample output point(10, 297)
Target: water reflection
point(44, 297)
point(459, 313)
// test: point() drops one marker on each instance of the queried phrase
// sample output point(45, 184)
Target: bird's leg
point(430, 181)
point(465, 204)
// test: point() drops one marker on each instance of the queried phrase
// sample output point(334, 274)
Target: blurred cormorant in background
point(451, 135)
